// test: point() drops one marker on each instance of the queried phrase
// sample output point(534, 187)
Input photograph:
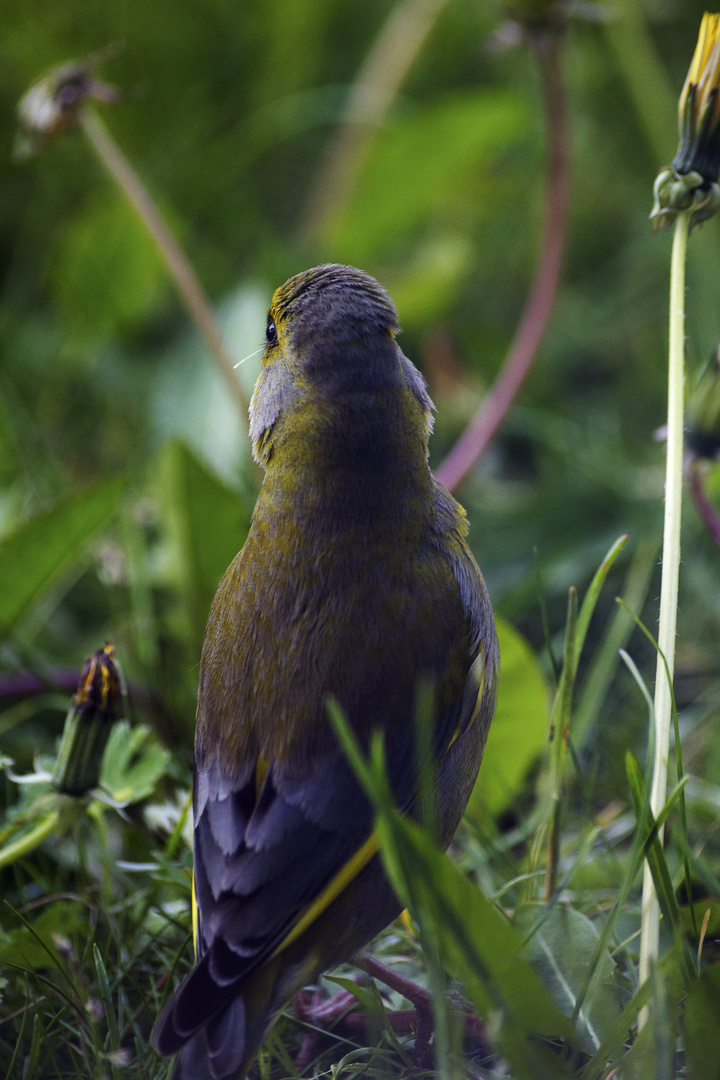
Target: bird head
point(332, 371)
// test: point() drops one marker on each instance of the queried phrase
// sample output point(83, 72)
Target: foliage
point(127, 488)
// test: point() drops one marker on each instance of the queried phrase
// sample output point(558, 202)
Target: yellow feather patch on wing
point(407, 922)
point(195, 916)
point(474, 687)
point(344, 876)
point(261, 771)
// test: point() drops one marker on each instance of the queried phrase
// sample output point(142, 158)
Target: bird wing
point(264, 849)
point(262, 858)
point(274, 846)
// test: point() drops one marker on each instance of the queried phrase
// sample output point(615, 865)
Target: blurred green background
point(126, 484)
point(230, 114)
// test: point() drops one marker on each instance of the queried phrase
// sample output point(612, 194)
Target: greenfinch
point(355, 583)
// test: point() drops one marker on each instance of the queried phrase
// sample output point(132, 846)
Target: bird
point(355, 585)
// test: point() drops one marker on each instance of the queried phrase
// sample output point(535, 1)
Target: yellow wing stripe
point(261, 771)
point(195, 917)
point(344, 876)
point(478, 668)
point(362, 856)
point(371, 846)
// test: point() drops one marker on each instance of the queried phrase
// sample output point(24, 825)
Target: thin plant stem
point(541, 299)
point(21, 847)
point(371, 96)
point(650, 912)
point(185, 278)
point(646, 75)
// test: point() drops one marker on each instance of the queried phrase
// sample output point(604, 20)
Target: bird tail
point(217, 1031)
point(224, 1049)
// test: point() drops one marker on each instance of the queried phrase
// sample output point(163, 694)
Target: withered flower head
point(691, 182)
point(50, 107)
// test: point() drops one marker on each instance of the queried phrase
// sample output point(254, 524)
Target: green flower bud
point(87, 725)
point(691, 182)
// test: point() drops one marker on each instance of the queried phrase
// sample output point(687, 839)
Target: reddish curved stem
point(704, 507)
point(541, 299)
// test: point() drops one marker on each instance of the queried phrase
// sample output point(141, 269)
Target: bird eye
point(271, 332)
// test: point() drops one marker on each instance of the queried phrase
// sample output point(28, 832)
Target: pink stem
point(704, 507)
point(541, 299)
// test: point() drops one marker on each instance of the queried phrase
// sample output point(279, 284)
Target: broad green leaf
point(425, 287)
point(472, 938)
point(422, 163)
point(613, 1046)
point(702, 1030)
point(33, 946)
point(33, 555)
point(209, 523)
point(106, 274)
point(519, 729)
point(561, 949)
point(133, 763)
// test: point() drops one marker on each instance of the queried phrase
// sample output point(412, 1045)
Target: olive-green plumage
point(355, 583)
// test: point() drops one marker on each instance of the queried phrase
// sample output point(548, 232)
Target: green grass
point(538, 936)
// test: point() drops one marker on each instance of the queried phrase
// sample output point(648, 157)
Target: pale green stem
point(371, 98)
point(177, 262)
point(650, 917)
point(27, 843)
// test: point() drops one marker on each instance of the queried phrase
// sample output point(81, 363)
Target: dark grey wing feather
point(254, 879)
point(225, 1036)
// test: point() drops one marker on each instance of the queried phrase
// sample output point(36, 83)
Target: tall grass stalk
point(188, 284)
point(650, 914)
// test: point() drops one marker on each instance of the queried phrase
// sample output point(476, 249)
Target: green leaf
point(458, 924)
point(106, 273)
point(473, 938)
point(133, 763)
point(613, 1046)
point(562, 949)
point(593, 593)
point(209, 522)
point(107, 1000)
point(35, 553)
point(426, 286)
point(655, 854)
point(422, 164)
point(32, 946)
point(652, 1055)
point(702, 1031)
point(519, 729)
point(364, 995)
point(474, 942)
point(576, 630)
